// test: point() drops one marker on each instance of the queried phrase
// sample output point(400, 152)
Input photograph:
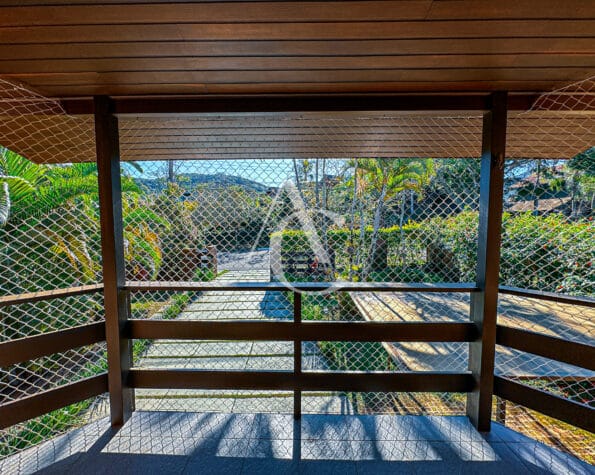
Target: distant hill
point(189, 181)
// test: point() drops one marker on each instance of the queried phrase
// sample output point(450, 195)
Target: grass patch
point(44, 427)
point(61, 420)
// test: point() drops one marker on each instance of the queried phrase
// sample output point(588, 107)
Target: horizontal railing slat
point(571, 352)
point(141, 286)
point(550, 296)
point(573, 413)
point(306, 381)
point(31, 347)
point(49, 294)
point(38, 404)
point(305, 331)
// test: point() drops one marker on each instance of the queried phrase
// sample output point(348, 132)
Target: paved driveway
point(234, 355)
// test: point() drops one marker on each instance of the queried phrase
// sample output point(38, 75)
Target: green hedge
point(547, 253)
point(344, 242)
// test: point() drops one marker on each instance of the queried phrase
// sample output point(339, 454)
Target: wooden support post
point(484, 303)
point(297, 354)
point(119, 349)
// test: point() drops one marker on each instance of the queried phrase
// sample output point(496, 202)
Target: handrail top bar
point(141, 286)
point(222, 104)
point(551, 296)
point(49, 294)
point(288, 372)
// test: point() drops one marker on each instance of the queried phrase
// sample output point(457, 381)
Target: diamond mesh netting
point(547, 245)
point(239, 220)
point(360, 197)
point(49, 237)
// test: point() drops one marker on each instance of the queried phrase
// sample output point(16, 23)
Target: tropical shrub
point(547, 253)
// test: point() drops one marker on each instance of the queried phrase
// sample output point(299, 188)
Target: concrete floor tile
point(375, 467)
point(269, 467)
point(205, 465)
point(327, 468)
point(172, 442)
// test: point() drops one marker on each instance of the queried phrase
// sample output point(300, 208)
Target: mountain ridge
point(189, 181)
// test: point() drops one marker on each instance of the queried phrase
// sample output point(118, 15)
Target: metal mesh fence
point(25, 379)
point(548, 225)
point(532, 425)
point(34, 318)
point(242, 220)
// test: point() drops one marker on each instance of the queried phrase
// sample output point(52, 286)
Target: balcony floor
point(174, 442)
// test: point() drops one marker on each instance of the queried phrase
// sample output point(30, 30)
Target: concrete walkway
point(235, 355)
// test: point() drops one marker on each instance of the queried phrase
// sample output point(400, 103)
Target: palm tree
point(388, 178)
point(54, 208)
point(142, 243)
point(19, 179)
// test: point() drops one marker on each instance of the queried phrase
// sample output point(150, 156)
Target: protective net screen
point(547, 245)
point(329, 220)
point(49, 240)
point(366, 197)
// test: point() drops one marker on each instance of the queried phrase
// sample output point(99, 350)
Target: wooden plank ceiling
point(79, 48)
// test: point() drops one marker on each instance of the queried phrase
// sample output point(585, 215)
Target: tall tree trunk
point(298, 183)
point(375, 231)
point(536, 190)
point(352, 252)
point(362, 235)
point(170, 171)
point(316, 189)
point(324, 187)
point(401, 231)
point(573, 211)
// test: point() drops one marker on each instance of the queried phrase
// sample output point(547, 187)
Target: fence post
point(297, 353)
point(116, 305)
point(484, 302)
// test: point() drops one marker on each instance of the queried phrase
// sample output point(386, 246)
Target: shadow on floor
point(170, 442)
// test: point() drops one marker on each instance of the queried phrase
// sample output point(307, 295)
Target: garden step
point(235, 355)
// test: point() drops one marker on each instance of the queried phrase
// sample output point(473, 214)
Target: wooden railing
point(575, 353)
point(31, 347)
point(297, 331)
point(555, 348)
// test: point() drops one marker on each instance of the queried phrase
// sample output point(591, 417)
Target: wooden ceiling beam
point(299, 103)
